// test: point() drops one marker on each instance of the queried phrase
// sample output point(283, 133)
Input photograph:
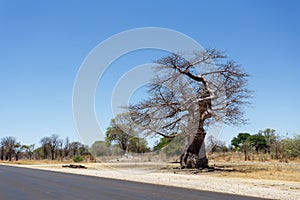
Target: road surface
point(30, 184)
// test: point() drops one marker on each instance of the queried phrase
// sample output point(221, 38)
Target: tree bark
point(247, 157)
point(2, 153)
point(9, 156)
point(194, 155)
point(52, 154)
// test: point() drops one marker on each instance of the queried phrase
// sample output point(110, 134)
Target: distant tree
point(50, 145)
point(242, 143)
point(163, 142)
point(29, 150)
point(83, 150)
point(270, 138)
point(9, 146)
point(215, 145)
point(292, 146)
point(175, 147)
point(53, 144)
point(100, 148)
point(74, 147)
point(138, 145)
point(17, 150)
point(258, 141)
point(45, 142)
point(59, 149)
point(212, 144)
point(67, 147)
point(115, 150)
point(120, 131)
point(38, 153)
point(236, 142)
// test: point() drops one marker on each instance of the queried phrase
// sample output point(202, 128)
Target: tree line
point(51, 148)
point(122, 135)
point(267, 142)
point(121, 140)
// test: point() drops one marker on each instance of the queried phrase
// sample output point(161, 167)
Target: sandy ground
point(250, 187)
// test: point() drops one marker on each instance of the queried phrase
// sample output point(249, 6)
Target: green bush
point(78, 158)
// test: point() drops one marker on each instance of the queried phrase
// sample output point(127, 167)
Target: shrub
point(78, 158)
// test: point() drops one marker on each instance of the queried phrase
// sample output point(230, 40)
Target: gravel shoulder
point(250, 187)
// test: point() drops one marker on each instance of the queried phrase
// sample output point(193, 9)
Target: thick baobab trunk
point(194, 155)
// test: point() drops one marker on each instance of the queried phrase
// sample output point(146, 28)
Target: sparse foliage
point(29, 149)
point(17, 150)
point(163, 142)
point(293, 147)
point(188, 94)
point(121, 130)
point(100, 148)
point(138, 145)
point(8, 144)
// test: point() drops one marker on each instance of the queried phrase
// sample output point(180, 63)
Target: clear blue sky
point(42, 45)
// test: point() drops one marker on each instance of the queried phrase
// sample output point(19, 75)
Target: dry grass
point(34, 162)
point(256, 170)
point(260, 167)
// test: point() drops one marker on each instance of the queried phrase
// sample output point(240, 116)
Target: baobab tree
point(8, 144)
point(189, 94)
point(45, 142)
point(49, 145)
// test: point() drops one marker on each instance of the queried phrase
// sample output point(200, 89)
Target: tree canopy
point(121, 130)
point(189, 93)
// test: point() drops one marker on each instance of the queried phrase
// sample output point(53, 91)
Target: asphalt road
point(29, 184)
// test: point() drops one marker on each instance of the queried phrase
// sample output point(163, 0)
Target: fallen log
point(75, 166)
